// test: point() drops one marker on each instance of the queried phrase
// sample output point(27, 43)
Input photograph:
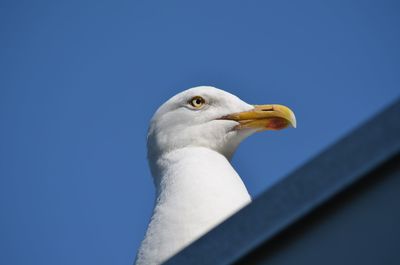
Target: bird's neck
point(197, 188)
point(195, 173)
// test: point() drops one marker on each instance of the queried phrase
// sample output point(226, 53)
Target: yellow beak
point(264, 117)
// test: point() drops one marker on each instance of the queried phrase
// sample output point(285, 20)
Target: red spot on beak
point(277, 124)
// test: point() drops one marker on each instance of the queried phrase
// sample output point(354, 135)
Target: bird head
point(211, 118)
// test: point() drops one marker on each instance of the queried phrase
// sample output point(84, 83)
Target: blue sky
point(81, 79)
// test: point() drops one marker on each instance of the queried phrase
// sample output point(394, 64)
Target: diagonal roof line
point(360, 152)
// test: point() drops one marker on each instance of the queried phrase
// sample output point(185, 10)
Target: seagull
point(190, 142)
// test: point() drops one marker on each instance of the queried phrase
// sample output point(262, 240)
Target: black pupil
point(198, 101)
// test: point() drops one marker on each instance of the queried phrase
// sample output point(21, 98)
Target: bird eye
point(197, 102)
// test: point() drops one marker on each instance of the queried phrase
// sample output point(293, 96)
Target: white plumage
point(190, 142)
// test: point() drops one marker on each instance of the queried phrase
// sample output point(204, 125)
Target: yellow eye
point(197, 102)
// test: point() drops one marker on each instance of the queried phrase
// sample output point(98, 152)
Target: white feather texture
point(196, 187)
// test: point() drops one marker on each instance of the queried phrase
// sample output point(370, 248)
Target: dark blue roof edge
point(352, 157)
